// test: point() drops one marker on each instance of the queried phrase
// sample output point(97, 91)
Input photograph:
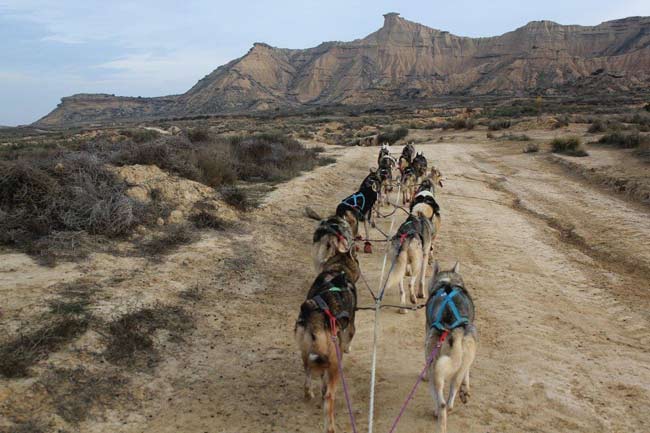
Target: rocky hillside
point(401, 61)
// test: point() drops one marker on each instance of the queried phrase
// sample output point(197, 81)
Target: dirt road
point(559, 272)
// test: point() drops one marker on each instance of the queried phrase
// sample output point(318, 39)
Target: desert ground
point(558, 265)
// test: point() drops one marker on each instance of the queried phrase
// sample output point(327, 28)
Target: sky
point(55, 48)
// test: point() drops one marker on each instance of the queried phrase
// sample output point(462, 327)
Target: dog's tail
point(312, 337)
point(311, 213)
point(398, 259)
point(446, 365)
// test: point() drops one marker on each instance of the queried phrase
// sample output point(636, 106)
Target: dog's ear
point(456, 269)
point(436, 268)
point(373, 170)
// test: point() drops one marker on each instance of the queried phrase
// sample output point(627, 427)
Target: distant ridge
point(403, 61)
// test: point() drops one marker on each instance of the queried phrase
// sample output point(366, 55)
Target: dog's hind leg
point(309, 394)
point(423, 272)
point(468, 360)
point(417, 266)
point(330, 393)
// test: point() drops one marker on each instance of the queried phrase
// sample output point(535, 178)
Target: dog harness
point(323, 306)
point(437, 309)
point(356, 200)
point(428, 198)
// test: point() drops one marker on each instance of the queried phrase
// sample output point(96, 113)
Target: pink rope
point(345, 384)
point(434, 352)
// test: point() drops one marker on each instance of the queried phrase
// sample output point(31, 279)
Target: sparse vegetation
point(597, 127)
point(29, 347)
point(515, 137)
point(391, 135)
point(168, 240)
point(208, 220)
point(76, 391)
point(497, 125)
point(238, 198)
point(130, 338)
point(50, 205)
point(625, 140)
point(571, 146)
point(531, 148)
point(140, 135)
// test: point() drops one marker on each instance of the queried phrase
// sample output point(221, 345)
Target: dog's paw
point(463, 395)
point(413, 299)
point(402, 311)
point(309, 395)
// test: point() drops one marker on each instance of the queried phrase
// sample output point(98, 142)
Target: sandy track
point(563, 323)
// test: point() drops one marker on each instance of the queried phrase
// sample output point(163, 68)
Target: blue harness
point(447, 302)
point(355, 199)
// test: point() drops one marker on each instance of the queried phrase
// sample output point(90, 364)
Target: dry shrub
point(168, 240)
point(499, 124)
point(391, 135)
point(624, 140)
point(238, 198)
point(596, 127)
point(208, 220)
point(531, 148)
point(77, 391)
point(515, 137)
point(571, 146)
point(130, 339)
point(140, 135)
point(20, 353)
point(43, 201)
point(198, 135)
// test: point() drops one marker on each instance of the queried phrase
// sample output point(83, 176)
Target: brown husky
point(409, 253)
point(333, 290)
point(449, 308)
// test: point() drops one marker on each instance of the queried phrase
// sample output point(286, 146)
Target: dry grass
point(19, 354)
point(168, 239)
point(130, 338)
point(78, 391)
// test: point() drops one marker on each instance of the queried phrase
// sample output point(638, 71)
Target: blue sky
point(55, 48)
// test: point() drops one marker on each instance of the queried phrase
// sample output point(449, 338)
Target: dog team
point(325, 326)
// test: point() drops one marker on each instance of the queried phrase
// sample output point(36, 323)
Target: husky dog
point(332, 236)
point(419, 165)
point(385, 173)
point(333, 290)
point(408, 152)
point(436, 176)
point(358, 206)
point(450, 308)
point(424, 204)
point(408, 184)
point(409, 253)
point(384, 151)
